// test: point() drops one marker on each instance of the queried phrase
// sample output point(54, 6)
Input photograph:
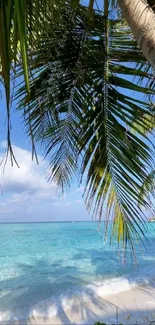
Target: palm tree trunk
point(141, 20)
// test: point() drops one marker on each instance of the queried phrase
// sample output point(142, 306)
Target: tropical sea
point(42, 265)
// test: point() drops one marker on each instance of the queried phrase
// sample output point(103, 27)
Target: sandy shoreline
point(136, 306)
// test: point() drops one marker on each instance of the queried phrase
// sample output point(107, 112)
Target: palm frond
point(114, 157)
point(18, 27)
point(81, 104)
point(54, 108)
point(23, 24)
point(148, 125)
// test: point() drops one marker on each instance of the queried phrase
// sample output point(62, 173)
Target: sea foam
point(55, 305)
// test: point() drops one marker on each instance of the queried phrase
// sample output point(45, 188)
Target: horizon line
point(60, 221)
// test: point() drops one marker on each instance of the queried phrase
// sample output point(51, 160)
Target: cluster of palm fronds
point(79, 99)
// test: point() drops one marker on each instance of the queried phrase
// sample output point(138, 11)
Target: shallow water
point(43, 264)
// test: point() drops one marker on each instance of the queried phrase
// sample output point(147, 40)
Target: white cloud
point(26, 187)
point(29, 178)
point(27, 196)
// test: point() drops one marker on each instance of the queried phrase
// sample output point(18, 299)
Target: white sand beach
point(136, 306)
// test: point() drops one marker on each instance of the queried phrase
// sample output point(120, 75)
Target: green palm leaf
point(82, 109)
point(22, 26)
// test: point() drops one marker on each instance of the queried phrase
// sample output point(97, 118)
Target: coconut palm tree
point(77, 99)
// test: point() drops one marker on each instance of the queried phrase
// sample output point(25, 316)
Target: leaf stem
point(91, 5)
point(106, 6)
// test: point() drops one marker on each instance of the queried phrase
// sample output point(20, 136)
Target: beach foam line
point(103, 288)
point(56, 304)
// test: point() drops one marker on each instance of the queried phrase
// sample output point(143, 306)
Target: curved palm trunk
point(141, 20)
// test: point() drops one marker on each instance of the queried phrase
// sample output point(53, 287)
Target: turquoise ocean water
point(43, 264)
